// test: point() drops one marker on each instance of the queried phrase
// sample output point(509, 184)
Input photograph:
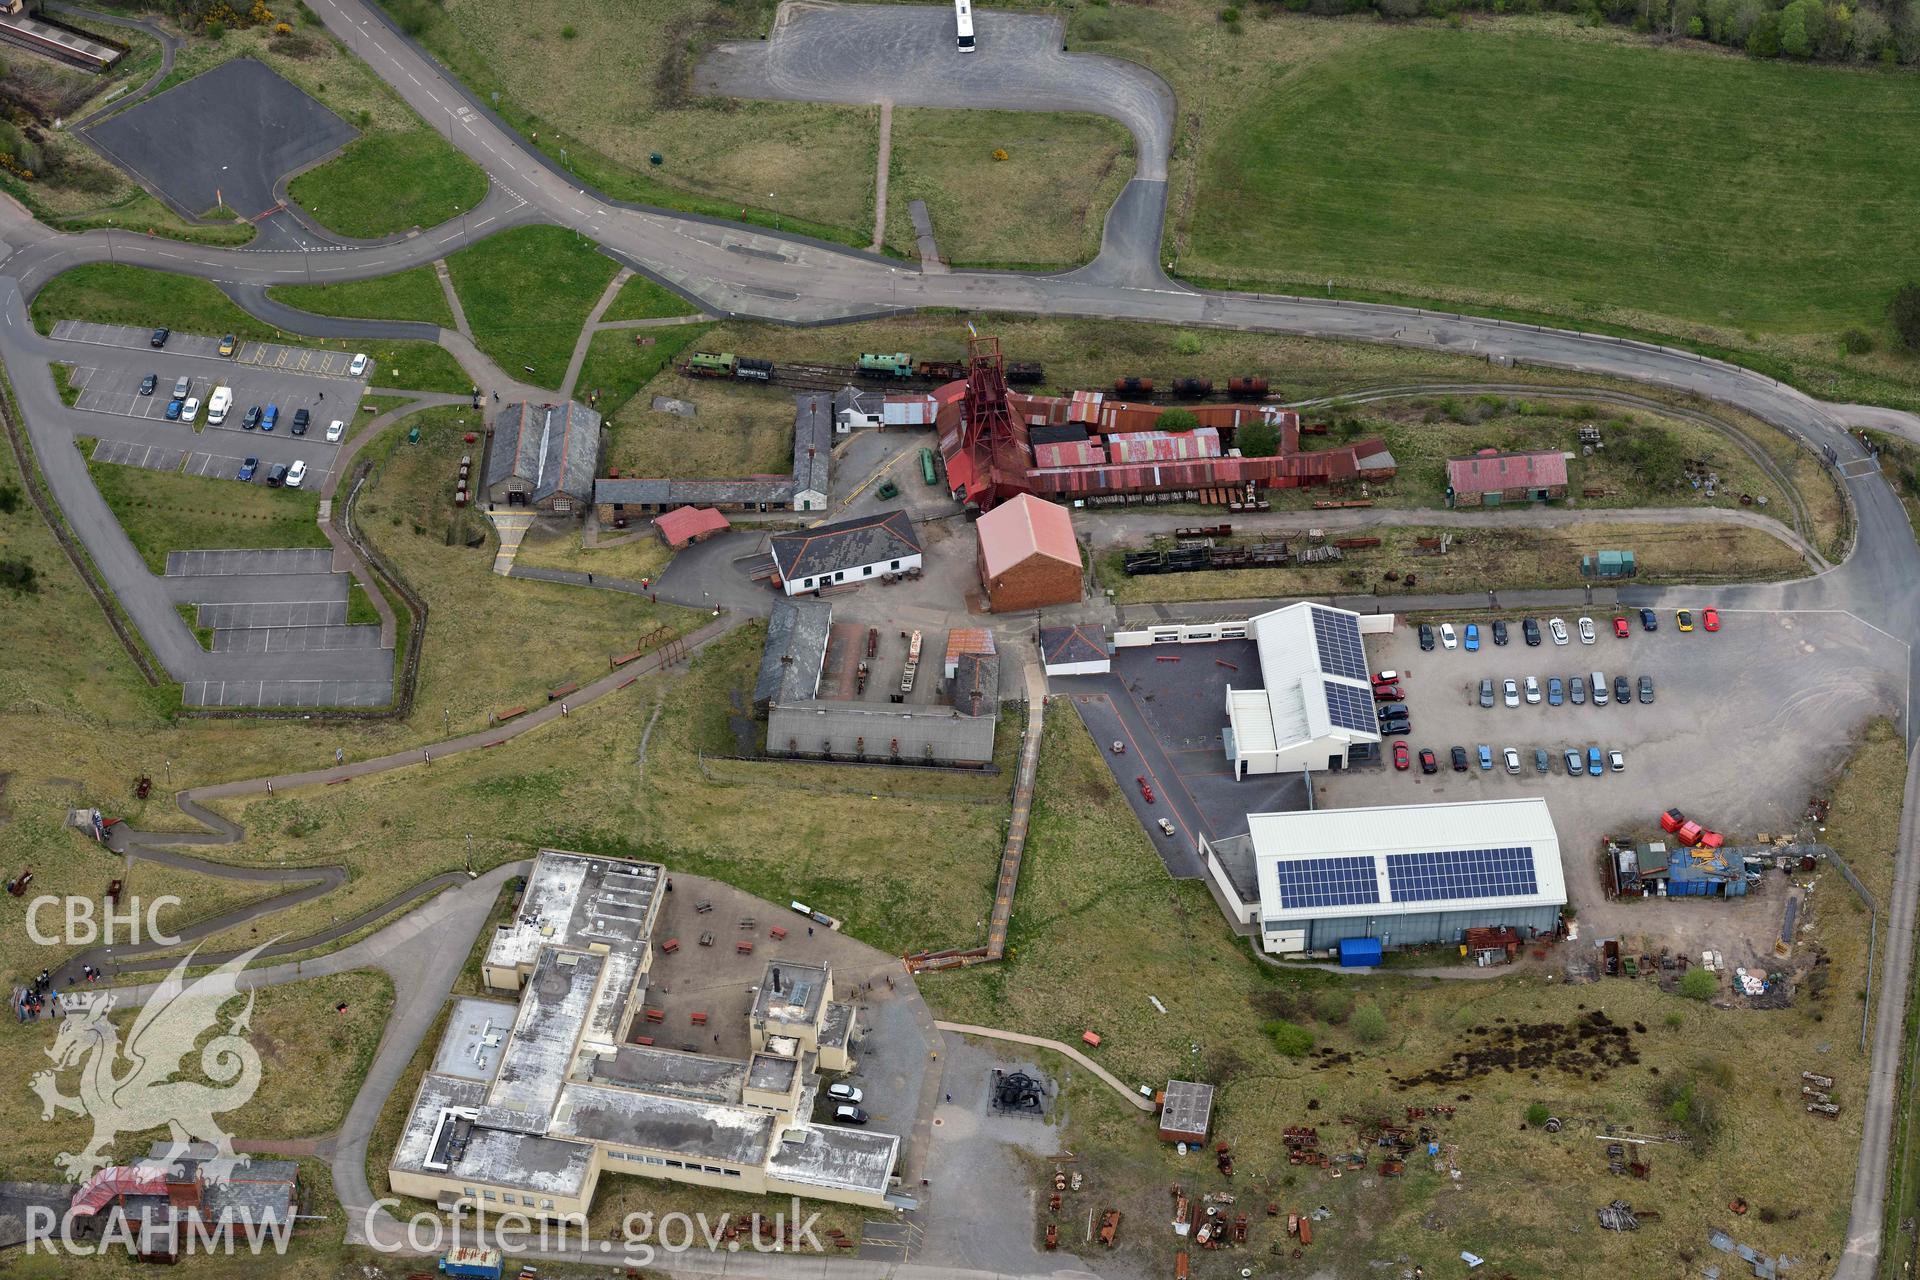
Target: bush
point(1333, 1005)
point(1184, 343)
point(1290, 1038)
point(568, 33)
point(1690, 1105)
point(18, 576)
point(1698, 984)
point(1906, 315)
point(1176, 420)
point(9, 499)
point(1856, 342)
point(1258, 440)
point(1537, 1114)
point(1368, 1024)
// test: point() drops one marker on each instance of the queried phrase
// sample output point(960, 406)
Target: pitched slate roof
point(798, 630)
point(1062, 646)
point(554, 447)
point(812, 442)
point(846, 545)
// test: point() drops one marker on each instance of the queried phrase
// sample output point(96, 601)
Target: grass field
point(384, 183)
point(413, 294)
point(735, 433)
point(621, 361)
point(312, 1060)
point(641, 556)
point(527, 293)
point(641, 299)
point(1050, 195)
point(1479, 560)
point(1092, 889)
point(112, 294)
point(163, 512)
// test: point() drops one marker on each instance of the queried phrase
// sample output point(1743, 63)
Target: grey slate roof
point(846, 545)
point(812, 442)
point(975, 690)
point(776, 490)
point(1060, 646)
point(798, 630)
point(554, 448)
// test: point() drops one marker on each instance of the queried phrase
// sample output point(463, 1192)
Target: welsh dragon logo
point(131, 1089)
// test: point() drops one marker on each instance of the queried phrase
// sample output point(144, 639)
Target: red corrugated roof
point(109, 1184)
point(1490, 470)
point(683, 524)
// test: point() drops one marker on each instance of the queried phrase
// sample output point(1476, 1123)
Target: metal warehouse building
point(1405, 874)
point(1316, 702)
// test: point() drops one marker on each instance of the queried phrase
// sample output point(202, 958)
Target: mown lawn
point(1512, 166)
point(388, 182)
point(163, 512)
point(621, 361)
point(527, 293)
point(413, 294)
point(641, 299)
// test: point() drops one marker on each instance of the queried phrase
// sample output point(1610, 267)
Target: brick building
point(1028, 556)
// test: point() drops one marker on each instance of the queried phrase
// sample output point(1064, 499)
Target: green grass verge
point(413, 294)
point(618, 364)
point(384, 183)
point(163, 512)
point(642, 299)
point(527, 293)
point(190, 614)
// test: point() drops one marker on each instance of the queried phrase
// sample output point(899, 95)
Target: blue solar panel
point(1327, 882)
point(1337, 636)
point(1461, 873)
point(1351, 708)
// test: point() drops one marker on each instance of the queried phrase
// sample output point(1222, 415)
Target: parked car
point(1649, 620)
point(1683, 618)
point(1622, 691)
point(1530, 630)
point(182, 385)
point(228, 345)
point(1616, 761)
point(1586, 631)
point(1392, 710)
point(1540, 762)
point(1556, 692)
point(270, 418)
point(1533, 691)
point(190, 409)
point(1396, 727)
point(173, 410)
point(1620, 628)
point(1486, 692)
point(1577, 691)
point(1499, 632)
point(1166, 828)
point(301, 418)
point(849, 1115)
point(1512, 759)
point(1710, 618)
point(1594, 764)
point(1473, 637)
point(1486, 757)
point(217, 405)
point(277, 475)
point(1459, 759)
point(160, 336)
point(1510, 693)
point(358, 367)
point(1386, 677)
point(335, 430)
point(1599, 689)
point(1400, 758)
point(148, 383)
point(1426, 637)
point(1448, 637)
point(247, 468)
point(1559, 630)
point(1387, 693)
point(251, 418)
point(1428, 764)
point(1646, 688)
point(845, 1093)
point(1575, 767)
point(297, 473)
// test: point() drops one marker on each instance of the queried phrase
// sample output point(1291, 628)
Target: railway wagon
point(876, 365)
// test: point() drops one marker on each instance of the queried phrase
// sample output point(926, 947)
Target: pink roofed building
point(1028, 555)
point(1491, 477)
point(684, 526)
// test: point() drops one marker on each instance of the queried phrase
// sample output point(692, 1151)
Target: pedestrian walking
point(589, 579)
point(323, 395)
point(949, 1097)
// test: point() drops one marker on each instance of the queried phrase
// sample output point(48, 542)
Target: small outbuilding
point(1028, 555)
point(1075, 651)
point(1491, 477)
point(685, 526)
point(1186, 1109)
point(544, 456)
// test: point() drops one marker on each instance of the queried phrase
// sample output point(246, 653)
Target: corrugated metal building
point(1315, 701)
point(1406, 875)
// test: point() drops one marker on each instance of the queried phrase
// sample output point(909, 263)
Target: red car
point(1387, 693)
point(1400, 756)
point(1146, 792)
point(1620, 627)
point(1385, 677)
point(1710, 618)
point(1428, 763)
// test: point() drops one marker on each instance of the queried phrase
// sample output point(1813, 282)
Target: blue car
point(1649, 620)
point(173, 410)
point(1595, 765)
point(1556, 691)
point(271, 416)
point(1473, 637)
point(247, 468)
point(1486, 758)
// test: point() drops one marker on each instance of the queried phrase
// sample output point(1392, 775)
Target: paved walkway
point(1040, 1042)
point(512, 527)
point(587, 330)
point(883, 162)
point(445, 276)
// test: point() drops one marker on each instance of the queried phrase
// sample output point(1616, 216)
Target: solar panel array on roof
point(1350, 707)
point(1327, 882)
point(1337, 636)
point(1461, 873)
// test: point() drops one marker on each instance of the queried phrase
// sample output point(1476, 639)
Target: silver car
point(1510, 693)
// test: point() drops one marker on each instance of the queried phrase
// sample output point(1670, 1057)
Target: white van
point(1599, 688)
point(218, 404)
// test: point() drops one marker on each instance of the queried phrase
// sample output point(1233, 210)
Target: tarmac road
point(730, 269)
